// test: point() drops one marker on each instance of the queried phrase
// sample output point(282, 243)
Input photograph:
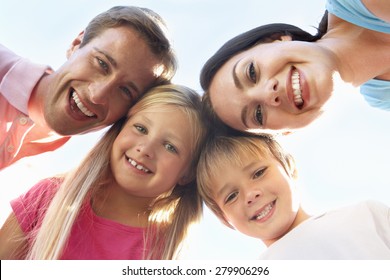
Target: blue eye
point(231, 197)
point(171, 148)
point(103, 64)
point(140, 128)
point(128, 94)
point(259, 173)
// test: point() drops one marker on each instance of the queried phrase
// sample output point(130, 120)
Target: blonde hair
point(222, 150)
point(178, 208)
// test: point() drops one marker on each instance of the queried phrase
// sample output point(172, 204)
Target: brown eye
point(259, 115)
point(252, 73)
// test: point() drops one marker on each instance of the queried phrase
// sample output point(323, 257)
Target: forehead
point(226, 99)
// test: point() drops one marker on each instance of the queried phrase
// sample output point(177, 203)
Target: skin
point(12, 240)
point(263, 78)
point(262, 97)
point(164, 150)
point(379, 8)
point(107, 75)
point(242, 192)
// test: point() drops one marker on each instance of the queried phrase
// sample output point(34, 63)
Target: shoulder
point(30, 207)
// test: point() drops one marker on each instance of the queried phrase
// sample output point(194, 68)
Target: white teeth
point(265, 212)
point(81, 106)
point(138, 166)
point(295, 81)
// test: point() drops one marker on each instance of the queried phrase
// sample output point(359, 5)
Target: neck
point(361, 54)
point(37, 101)
point(300, 217)
point(113, 203)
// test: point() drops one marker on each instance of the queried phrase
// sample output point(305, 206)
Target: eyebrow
point(112, 60)
point(114, 63)
point(235, 77)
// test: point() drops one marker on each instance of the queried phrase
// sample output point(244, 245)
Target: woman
point(278, 77)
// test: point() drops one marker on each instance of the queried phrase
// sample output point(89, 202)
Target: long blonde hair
point(171, 213)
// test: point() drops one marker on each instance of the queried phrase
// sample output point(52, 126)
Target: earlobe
point(75, 45)
point(184, 180)
point(286, 38)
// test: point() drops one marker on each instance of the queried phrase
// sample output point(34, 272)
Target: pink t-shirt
point(19, 135)
point(92, 237)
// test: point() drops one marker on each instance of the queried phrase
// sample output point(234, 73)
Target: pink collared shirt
point(19, 135)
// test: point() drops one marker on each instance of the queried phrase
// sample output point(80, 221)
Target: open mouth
point(297, 90)
point(264, 212)
point(138, 166)
point(78, 106)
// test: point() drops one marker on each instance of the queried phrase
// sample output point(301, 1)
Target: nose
point(252, 196)
point(271, 90)
point(99, 92)
point(145, 149)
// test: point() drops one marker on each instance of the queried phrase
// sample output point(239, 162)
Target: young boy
point(249, 182)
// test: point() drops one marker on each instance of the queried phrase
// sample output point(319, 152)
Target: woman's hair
point(235, 150)
point(262, 34)
point(148, 24)
point(171, 213)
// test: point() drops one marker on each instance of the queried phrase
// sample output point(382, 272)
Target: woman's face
point(278, 86)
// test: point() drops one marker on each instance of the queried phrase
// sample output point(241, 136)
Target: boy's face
point(99, 82)
point(258, 198)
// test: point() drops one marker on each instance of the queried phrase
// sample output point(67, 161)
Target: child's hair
point(235, 150)
point(171, 214)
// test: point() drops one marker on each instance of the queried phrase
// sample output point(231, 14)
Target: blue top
point(376, 92)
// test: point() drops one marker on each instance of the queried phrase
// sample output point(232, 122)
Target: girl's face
point(152, 152)
point(257, 198)
point(278, 86)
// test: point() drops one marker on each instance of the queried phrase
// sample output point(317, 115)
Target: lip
point(74, 111)
point(267, 216)
point(304, 89)
point(135, 169)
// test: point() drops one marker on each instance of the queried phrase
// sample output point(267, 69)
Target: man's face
point(99, 82)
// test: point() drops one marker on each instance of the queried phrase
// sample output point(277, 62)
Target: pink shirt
point(91, 238)
point(19, 136)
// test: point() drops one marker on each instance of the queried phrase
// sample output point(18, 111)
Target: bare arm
point(13, 242)
point(380, 8)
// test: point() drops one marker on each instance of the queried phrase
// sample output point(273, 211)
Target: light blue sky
point(342, 158)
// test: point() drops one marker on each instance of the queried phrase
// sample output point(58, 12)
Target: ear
point(185, 180)
point(75, 45)
point(285, 38)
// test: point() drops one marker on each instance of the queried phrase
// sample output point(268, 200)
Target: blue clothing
point(355, 12)
point(376, 92)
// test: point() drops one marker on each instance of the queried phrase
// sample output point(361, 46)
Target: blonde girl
point(132, 197)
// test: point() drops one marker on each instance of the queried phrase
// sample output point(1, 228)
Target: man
point(122, 52)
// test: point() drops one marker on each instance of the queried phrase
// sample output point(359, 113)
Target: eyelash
point(259, 115)
point(251, 72)
point(258, 173)
point(103, 65)
point(141, 129)
point(127, 92)
point(230, 197)
point(168, 146)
